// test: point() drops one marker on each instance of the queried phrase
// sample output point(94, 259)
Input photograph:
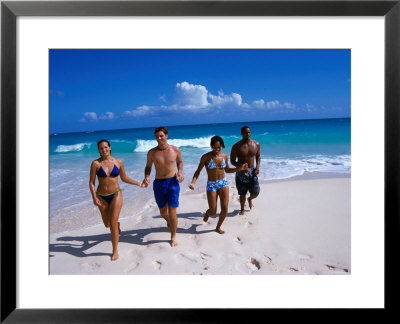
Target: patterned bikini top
point(211, 164)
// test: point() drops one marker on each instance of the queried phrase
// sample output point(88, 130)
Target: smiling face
point(161, 138)
point(104, 149)
point(216, 147)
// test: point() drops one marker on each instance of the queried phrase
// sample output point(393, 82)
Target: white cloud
point(89, 116)
point(138, 111)
point(190, 98)
point(107, 115)
point(190, 95)
point(258, 103)
point(222, 99)
point(310, 108)
point(288, 105)
point(195, 98)
point(274, 104)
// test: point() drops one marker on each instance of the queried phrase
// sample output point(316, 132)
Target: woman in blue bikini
point(108, 196)
point(216, 162)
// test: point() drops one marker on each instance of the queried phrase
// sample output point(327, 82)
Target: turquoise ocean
point(288, 149)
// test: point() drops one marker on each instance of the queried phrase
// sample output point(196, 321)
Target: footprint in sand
point(156, 265)
point(183, 259)
point(249, 266)
point(139, 218)
point(293, 270)
point(204, 256)
point(253, 264)
point(330, 267)
point(131, 266)
point(267, 259)
point(238, 240)
point(248, 224)
point(90, 265)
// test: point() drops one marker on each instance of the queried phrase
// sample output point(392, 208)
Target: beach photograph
point(199, 162)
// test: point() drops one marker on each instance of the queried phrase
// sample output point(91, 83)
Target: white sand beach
point(298, 226)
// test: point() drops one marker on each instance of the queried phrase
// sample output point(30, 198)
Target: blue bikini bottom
point(108, 198)
point(216, 185)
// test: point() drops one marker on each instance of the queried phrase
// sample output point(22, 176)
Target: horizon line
point(256, 121)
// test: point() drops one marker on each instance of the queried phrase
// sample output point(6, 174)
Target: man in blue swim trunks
point(166, 184)
point(246, 151)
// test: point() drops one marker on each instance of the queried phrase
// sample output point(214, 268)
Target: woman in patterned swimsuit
point(216, 162)
point(108, 196)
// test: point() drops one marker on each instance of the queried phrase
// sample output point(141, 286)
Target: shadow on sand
point(197, 215)
point(137, 236)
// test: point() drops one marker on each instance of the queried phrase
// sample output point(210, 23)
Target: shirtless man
point(166, 184)
point(243, 152)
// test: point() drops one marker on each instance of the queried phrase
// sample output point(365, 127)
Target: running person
point(108, 196)
point(245, 151)
point(216, 162)
point(166, 184)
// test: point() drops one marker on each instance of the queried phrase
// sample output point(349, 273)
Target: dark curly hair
point(216, 139)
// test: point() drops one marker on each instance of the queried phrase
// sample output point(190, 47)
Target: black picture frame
point(10, 10)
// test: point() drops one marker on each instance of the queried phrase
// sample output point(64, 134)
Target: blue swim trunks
point(216, 185)
point(166, 191)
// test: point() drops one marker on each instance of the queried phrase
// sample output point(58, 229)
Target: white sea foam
point(54, 173)
point(121, 141)
point(72, 148)
point(276, 168)
point(200, 142)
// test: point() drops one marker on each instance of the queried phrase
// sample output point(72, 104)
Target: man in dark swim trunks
point(166, 184)
point(243, 152)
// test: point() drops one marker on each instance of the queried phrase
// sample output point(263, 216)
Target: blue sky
point(114, 89)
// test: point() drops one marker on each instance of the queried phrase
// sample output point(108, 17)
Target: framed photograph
point(201, 69)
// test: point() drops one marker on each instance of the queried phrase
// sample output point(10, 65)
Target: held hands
point(143, 184)
point(244, 167)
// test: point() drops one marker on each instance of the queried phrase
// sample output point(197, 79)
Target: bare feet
point(174, 242)
point(250, 203)
point(220, 231)
point(241, 212)
point(205, 218)
point(115, 256)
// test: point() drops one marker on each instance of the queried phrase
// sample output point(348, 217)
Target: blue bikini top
point(211, 164)
point(114, 173)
